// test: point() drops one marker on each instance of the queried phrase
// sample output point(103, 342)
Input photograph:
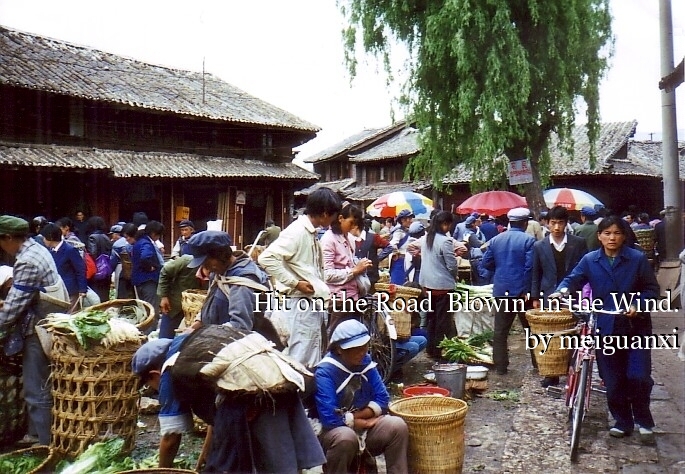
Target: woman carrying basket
point(622, 278)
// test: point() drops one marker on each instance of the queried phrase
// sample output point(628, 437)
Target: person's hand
point(164, 305)
point(558, 294)
point(305, 287)
point(361, 266)
point(365, 423)
point(536, 304)
point(632, 312)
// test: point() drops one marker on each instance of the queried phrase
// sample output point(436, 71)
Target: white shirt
point(558, 246)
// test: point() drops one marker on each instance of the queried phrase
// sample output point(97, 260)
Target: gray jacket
point(439, 264)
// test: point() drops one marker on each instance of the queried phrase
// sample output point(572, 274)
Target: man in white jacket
point(295, 262)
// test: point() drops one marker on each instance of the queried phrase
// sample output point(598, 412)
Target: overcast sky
point(289, 53)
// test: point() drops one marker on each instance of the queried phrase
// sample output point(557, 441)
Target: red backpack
point(91, 267)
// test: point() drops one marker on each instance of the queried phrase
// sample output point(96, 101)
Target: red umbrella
point(495, 203)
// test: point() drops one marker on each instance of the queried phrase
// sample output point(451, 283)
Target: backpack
point(91, 267)
point(104, 268)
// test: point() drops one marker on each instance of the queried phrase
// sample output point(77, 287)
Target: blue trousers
point(407, 350)
point(37, 388)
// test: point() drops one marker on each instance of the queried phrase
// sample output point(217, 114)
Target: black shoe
point(547, 381)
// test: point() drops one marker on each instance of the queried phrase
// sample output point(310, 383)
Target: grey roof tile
point(404, 144)
point(37, 62)
point(338, 186)
point(143, 164)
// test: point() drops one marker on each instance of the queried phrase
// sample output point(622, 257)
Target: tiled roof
point(613, 136)
point(404, 144)
point(128, 164)
point(338, 186)
point(645, 159)
point(41, 63)
point(374, 191)
point(351, 143)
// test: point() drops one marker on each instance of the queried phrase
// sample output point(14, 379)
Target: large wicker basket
point(555, 360)
point(191, 303)
point(13, 421)
point(646, 238)
point(436, 432)
point(50, 458)
point(95, 394)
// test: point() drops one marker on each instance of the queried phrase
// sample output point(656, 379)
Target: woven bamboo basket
point(95, 394)
point(402, 320)
point(554, 361)
point(191, 303)
point(436, 432)
point(149, 310)
point(49, 462)
point(13, 421)
point(646, 238)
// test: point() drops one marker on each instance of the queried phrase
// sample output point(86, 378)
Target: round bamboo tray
point(191, 303)
point(95, 394)
point(554, 361)
point(436, 432)
point(48, 464)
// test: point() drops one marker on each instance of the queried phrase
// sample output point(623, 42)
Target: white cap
point(518, 214)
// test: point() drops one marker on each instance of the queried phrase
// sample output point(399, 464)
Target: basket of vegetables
point(138, 312)
point(107, 456)
point(33, 460)
point(95, 392)
point(476, 349)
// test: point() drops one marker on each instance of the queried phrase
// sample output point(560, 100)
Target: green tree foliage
point(489, 78)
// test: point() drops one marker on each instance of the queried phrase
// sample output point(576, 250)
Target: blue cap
point(350, 333)
point(115, 228)
point(186, 223)
point(470, 220)
point(475, 214)
point(150, 355)
point(588, 211)
point(202, 243)
point(404, 213)
point(518, 214)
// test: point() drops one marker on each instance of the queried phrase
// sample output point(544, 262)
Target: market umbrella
point(494, 203)
point(573, 199)
point(389, 205)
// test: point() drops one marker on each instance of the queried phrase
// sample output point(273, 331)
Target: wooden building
point(82, 129)
point(371, 163)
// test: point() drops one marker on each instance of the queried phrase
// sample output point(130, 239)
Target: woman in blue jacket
point(622, 278)
point(146, 262)
point(352, 401)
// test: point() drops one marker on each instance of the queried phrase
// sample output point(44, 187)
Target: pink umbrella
point(495, 203)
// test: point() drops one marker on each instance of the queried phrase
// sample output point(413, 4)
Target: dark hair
point(644, 218)
point(154, 227)
point(269, 223)
point(223, 254)
point(139, 218)
point(51, 232)
point(322, 201)
point(442, 217)
point(37, 223)
point(65, 222)
point(95, 223)
point(129, 230)
point(612, 220)
point(558, 213)
point(349, 210)
point(519, 224)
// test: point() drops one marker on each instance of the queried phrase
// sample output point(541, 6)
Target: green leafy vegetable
point(479, 340)
point(19, 463)
point(99, 457)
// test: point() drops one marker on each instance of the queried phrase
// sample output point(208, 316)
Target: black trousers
point(503, 322)
point(439, 323)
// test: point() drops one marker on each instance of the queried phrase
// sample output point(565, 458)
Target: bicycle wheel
point(578, 408)
point(381, 346)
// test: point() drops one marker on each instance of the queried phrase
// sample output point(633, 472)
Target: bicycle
point(383, 336)
point(579, 380)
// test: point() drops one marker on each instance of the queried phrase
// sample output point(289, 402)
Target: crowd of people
point(331, 251)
